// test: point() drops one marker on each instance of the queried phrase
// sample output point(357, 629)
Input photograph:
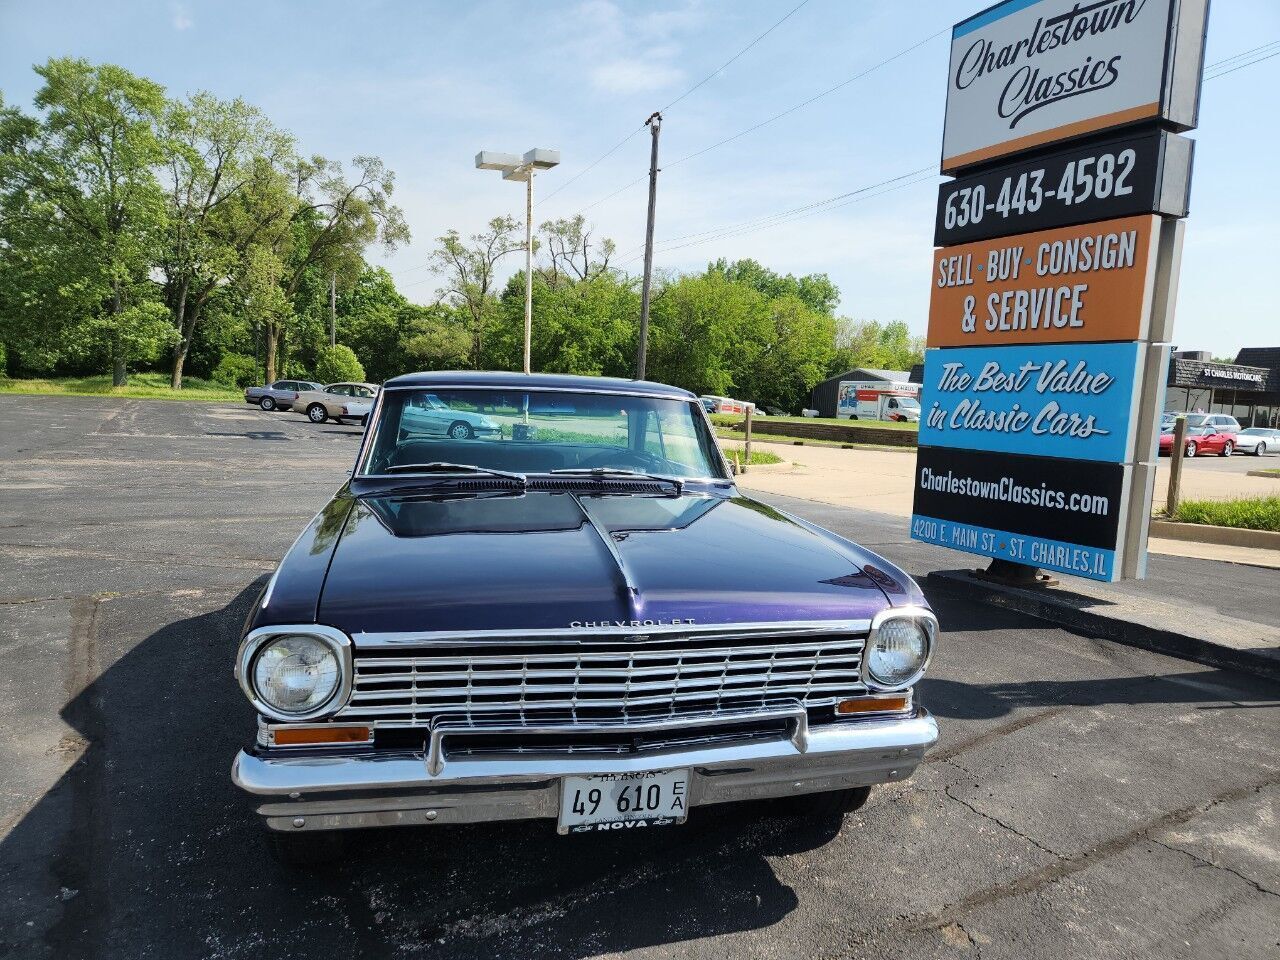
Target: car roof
point(351, 383)
point(506, 380)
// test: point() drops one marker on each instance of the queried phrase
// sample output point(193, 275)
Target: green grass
point(1267, 473)
point(1255, 513)
point(147, 386)
point(759, 458)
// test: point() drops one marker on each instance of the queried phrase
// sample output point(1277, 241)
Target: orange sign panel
point(1072, 285)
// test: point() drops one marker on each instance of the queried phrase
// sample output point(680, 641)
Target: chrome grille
point(602, 678)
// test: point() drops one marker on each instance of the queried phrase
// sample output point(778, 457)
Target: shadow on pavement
point(145, 847)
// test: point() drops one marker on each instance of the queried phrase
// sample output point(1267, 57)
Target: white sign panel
point(1026, 73)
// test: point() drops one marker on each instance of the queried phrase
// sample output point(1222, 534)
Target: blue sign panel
point(1093, 563)
point(1059, 400)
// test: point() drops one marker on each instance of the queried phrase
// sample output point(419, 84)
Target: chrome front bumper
point(370, 789)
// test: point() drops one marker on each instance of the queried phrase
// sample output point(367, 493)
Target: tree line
point(142, 232)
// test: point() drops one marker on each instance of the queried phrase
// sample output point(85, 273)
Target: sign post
point(1054, 283)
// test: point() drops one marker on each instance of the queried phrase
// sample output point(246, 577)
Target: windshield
point(908, 403)
point(539, 432)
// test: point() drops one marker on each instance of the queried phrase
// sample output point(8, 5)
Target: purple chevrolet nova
point(575, 616)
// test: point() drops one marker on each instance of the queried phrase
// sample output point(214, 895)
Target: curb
point(1264, 474)
point(1207, 533)
point(1044, 605)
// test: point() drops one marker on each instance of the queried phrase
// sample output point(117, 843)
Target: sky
point(427, 85)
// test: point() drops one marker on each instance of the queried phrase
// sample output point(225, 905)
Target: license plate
point(623, 801)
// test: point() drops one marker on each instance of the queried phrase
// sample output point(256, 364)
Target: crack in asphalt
point(1065, 867)
point(996, 820)
point(1217, 866)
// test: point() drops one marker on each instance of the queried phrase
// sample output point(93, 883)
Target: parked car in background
point(1258, 440)
point(279, 395)
point(429, 416)
point(1222, 421)
point(708, 404)
point(1207, 438)
point(587, 624)
point(337, 401)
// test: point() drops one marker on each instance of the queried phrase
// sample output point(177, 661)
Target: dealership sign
point(1078, 284)
point(1062, 515)
point(1118, 177)
point(1053, 284)
point(1058, 400)
point(1027, 73)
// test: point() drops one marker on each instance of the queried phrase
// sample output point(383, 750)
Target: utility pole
point(333, 309)
point(655, 127)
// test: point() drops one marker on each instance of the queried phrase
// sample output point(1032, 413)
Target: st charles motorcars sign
point(1026, 73)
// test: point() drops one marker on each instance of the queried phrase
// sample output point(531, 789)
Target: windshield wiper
point(440, 466)
point(601, 473)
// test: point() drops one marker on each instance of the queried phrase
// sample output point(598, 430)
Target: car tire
point(1260, 449)
point(460, 430)
point(834, 803)
point(1228, 448)
point(853, 416)
point(1191, 450)
point(306, 849)
point(316, 413)
point(267, 403)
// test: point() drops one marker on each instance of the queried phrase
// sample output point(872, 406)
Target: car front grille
point(601, 678)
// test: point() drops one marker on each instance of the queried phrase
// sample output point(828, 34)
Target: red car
point(1201, 440)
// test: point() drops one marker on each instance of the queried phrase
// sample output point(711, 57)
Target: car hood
point(538, 559)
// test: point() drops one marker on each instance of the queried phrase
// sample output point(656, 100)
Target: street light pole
point(528, 269)
point(522, 168)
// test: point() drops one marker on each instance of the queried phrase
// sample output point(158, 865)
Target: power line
point(614, 149)
point(722, 66)
point(800, 213)
point(1238, 56)
point(777, 116)
point(1241, 66)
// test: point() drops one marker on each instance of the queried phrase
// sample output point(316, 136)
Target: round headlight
point(897, 652)
point(296, 673)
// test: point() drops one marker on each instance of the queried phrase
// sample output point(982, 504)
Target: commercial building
point(826, 396)
point(1248, 389)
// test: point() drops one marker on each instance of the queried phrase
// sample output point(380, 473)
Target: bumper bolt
point(432, 814)
point(299, 821)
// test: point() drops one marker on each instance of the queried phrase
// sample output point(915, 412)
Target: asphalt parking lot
point(1086, 800)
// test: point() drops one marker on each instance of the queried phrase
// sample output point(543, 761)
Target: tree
point(816, 291)
point(468, 268)
point(78, 194)
point(225, 189)
point(585, 327)
point(867, 343)
point(569, 248)
point(785, 353)
point(334, 220)
point(338, 363)
point(696, 325)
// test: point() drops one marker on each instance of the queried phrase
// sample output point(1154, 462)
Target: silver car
point(1258, 441)
point(279, 395)
point(427, 414)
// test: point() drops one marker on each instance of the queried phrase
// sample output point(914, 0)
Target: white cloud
point(181, 17)
point(607, 36)
point(633, 75)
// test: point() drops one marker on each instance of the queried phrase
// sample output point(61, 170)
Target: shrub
point(237, 370)
point(338, 363)
point(1254, 513)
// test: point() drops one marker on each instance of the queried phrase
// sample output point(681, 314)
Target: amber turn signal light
point(874, 704)
point(305, 736)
